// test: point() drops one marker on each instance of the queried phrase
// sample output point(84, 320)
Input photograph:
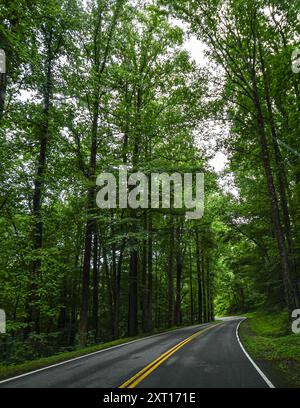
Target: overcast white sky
point(220, 160)
point(197, 50)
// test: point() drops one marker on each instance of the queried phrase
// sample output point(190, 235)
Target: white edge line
point(265, 378)
point(91, 354)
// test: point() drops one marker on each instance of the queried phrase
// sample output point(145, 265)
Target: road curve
point(200, 356)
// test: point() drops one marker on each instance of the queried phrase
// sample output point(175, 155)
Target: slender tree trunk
point(150, 277)
point(144, 298)
point(133, 268)
point(199, 278)
point(3, 82)
point(133, 295)
point(39, 184)
point(118, 292)
point(157, 295)
point(191, 289)
point(75, 288)
point(114, 280)
point(95, 287)
point(99, 67)
point(133, 273)
point(289, 288)
point(210, 293)
point(171, 281)
point(90, 226)
point(83, 325)
point(281, 176)
point(108, 288)
point(4, 45)
point(62, 317)
point(204, 286)
point(179, 267)
point(147, 278)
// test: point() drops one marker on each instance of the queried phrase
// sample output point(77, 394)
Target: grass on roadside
point(266, 337)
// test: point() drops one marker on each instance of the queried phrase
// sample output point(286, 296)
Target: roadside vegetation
point(7, 371)
point(267, 337)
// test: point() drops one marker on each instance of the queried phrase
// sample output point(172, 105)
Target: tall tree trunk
point(133, 295)
point(280, 175)
point(171, 280)
point(95, 287)
point(157, 295)
point(205, 288)
point(133, 283)
point(3, 82)
point(39, 184)
point(191, 288)
point(150, 277)
point(118, 292)
point(144, 297)
point(179, 267)
point(199, 278)
point(210, 293)
point(90, 226)
point(108, 288)
point(147, 278)
point(289, 288)
point(133, 273)
point(99, 66)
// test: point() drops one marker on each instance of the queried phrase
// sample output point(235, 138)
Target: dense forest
point(93, 85)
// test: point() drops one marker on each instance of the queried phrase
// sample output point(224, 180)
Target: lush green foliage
point(91, 87)
point(265, 336)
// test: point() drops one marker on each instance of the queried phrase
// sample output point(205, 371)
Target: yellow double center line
point(137, 378)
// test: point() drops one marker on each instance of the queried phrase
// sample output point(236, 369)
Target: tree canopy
point(92, 86)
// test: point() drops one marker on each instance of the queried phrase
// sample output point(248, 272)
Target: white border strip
point(265, 378)
point(98, 352)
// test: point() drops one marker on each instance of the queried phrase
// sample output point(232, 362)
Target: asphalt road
point(203, 356)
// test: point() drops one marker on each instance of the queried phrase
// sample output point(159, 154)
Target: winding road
point(202, 356)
